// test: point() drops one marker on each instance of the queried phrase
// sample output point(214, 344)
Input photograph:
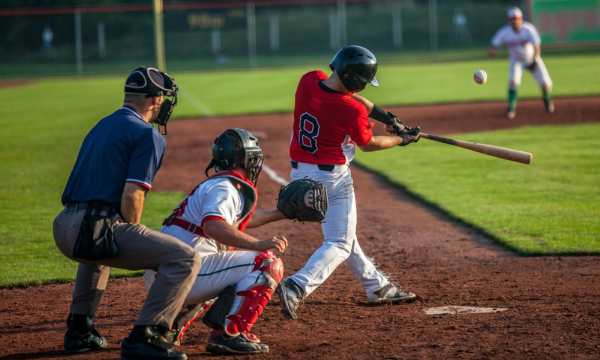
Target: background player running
point(329, 121)
point(523, 43)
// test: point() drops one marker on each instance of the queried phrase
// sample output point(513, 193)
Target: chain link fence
point(220, 35)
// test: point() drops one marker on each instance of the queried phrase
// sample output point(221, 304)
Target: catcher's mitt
point(304, 200)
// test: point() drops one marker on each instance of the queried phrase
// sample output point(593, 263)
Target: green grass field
point(44, 123)
point(549, 207)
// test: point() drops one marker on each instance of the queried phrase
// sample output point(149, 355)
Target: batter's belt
point(320, 166)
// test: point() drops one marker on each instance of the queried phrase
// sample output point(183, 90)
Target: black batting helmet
point(237, 148)
point(356, 67)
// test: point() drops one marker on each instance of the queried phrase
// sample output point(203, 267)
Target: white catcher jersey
point(520, 44)
point(214, 197)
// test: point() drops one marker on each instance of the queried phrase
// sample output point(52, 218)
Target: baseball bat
point(492, 150)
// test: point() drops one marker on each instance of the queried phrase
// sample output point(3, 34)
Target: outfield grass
point(549, 207)
point(44, 124)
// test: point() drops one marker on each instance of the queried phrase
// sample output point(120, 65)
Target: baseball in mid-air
point(480, 76)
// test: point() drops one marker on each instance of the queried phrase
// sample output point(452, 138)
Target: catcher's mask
point(153, 82)
point(237, 148)
point(355, 66)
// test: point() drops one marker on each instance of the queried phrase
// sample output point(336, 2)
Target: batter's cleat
point(149, 343)
point(82, 336)
point(391, 294)
point(221, 343)
point(291, 297)
point(549, 106)
point(511, 114)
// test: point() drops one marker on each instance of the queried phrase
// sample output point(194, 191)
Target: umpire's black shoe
point(81, 336)
point(221, 343)
point(149, 343)
point(291, 297)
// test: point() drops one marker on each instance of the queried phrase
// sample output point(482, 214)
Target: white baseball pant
point(339, 233)
point(218, 271)
point(540, 73)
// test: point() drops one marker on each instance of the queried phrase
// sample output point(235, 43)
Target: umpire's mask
point(153, 82)
point(237, 148)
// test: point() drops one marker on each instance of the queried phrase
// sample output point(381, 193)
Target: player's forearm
point(265, 216)
point(132, 203)
point(381, 142)
point(229, 235)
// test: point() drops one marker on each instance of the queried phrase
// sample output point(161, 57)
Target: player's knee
point(270, 264)
point(513, 85)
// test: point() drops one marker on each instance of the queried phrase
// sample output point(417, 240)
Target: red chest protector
point(241, 183)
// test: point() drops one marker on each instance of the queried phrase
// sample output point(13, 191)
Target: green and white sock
point(512, 99)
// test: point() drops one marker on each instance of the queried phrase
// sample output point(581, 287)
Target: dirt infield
point(15, 83)
point(553, 302)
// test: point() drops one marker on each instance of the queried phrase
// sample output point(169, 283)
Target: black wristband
point(381, 115)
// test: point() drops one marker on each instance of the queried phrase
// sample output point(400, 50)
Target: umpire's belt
point(321, 167)
point(98, 206)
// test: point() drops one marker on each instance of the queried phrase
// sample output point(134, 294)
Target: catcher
point(239, 272)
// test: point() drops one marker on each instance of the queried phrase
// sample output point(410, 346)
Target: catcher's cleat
point(291, 297)
point(149, 343)
point(391, 294)
point(221, 343)
point(82, 336)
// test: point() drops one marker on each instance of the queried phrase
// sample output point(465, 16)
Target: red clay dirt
point(15, 83)
point(553, 302)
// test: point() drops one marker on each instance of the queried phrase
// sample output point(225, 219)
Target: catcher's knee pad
point(270, 265)
point(252, 298)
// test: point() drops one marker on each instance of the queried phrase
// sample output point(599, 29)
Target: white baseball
point(480, 76)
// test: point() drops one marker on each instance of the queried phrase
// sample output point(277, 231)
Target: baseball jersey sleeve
point(497, 39)
point(220, 201)
point(534, 35)
point(146, 159)
point(361, 133)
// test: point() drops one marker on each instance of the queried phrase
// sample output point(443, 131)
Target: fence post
point(251, 30)
point(334, 35)
point(274, 32)
point(78, 43)
point(397, 39)
point(101, 40)
point(159, 35)
point(433, 26)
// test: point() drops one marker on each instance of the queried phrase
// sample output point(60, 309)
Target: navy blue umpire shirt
point(121, 148)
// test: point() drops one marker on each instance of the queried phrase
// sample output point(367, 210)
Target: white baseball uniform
point(216, 198)
point(522, 53)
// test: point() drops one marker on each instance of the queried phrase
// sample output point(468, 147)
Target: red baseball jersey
point(322, 121)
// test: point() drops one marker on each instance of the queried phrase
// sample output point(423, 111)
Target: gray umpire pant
point(176, 264)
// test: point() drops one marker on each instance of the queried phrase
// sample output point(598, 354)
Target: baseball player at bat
point(239, 272)
point(523, 43)
point(330, 121)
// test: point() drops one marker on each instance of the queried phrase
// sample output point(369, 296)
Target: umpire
point(99, 226)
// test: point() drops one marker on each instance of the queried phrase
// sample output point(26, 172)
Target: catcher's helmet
point(237, 148)
point(356, 66)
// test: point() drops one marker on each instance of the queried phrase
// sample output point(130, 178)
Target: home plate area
point(460, 310)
